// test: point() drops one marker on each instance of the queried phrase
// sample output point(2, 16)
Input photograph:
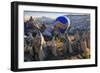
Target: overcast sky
point(47, 14)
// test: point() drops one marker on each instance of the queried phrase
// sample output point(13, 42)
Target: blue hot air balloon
point(62, 23)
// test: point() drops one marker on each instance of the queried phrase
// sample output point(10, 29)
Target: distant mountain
point(80, 22)
point(45, 20)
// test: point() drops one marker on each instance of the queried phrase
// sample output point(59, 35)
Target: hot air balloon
point(62, 23)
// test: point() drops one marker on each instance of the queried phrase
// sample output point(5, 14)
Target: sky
point(47, 14)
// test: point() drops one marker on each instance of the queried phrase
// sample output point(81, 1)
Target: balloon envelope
point(62, 23)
